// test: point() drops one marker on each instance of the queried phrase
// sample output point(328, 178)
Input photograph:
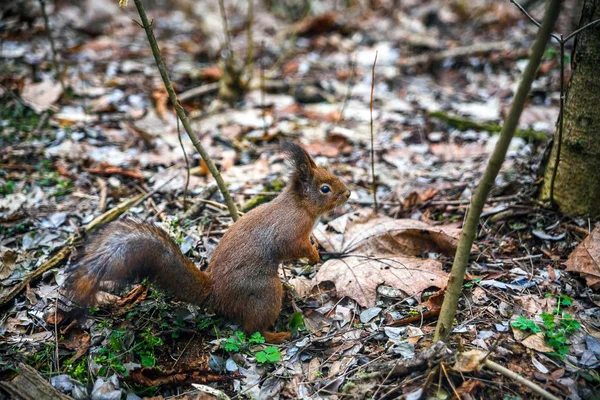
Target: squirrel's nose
point(348, 193)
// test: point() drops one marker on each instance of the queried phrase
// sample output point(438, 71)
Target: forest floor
point(363, 318)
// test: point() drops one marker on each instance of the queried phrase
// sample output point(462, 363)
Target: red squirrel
point(241, 282)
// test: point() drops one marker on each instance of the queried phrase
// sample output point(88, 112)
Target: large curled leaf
point(381, 250)
point(358, 276)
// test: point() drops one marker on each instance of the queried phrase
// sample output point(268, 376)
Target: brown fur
point(241, 282)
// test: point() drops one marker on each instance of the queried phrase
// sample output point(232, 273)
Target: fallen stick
point(462, 51)
point(28, 384)
point(64, 253)
point(519, 379)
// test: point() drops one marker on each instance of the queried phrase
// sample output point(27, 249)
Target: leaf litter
point(368, 310)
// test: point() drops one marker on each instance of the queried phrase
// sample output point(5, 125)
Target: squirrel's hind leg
point(260, 312)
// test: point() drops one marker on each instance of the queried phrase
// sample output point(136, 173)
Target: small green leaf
point(256, 338)
point(261, 357)
point(270, 354)
point(296, 321)
point(241, 336)
point(148, 360)
point(525, 324)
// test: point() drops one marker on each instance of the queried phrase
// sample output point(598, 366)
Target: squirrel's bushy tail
point(129, 250)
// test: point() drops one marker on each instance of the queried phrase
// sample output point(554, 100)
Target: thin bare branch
point(583, 28)
point(181, 112)
point(372, 135)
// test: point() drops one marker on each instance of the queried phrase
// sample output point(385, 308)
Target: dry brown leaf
point(467, 387)
point(79, 340)
point(41, 96)
point(135, 295)
point(8, 264)
point(536, 342)
point(161, 97)
point(302, 286)
point(366, 233)
point(457, 152)
point(469, 361)
point(211, 74)
point(382, 250)
point(317, 25)
point(585, 259)
point(107, 169)
point(358, 276)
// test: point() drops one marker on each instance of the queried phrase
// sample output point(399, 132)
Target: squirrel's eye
point(325, 189)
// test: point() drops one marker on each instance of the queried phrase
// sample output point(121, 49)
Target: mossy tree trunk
point(577, 183)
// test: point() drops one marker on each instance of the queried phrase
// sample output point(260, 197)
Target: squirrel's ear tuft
point(298, 156)
point(301, 162)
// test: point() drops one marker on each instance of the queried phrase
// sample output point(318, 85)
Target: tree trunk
point(577, 184)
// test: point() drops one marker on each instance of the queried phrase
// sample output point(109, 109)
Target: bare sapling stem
point(372, 136)
point(455, 281)
point(52, 45)
point(181, 112)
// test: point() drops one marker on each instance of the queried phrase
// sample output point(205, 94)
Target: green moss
point(463, 124)
point(275, 186)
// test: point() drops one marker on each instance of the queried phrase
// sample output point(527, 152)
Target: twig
point(462, 51)
point(372, 135)
point(225, 27)
point(181, 112)
point(198, 206)
point(64, 253)
point(350, 87)
point(519, 379)
point(52, 46)
point(183, 351)
point(187, 167)
point(56, 333)
point(249, 37)
point(262, 86)
point(199, 91)
point(532, 19)
point(583, 28)
point(212, 392)
point(463, 251)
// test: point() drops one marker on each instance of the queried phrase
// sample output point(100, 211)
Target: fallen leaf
point(358, 276)
point(302, 286)
point(211, 74)
point(585, 259)
point(135, 295)
point(161, 97)
point(536, 342)
point(8, 264)
point(467, 387)
point(382, 250)
point(78, 340)
point(317, 25)
point(41, 96)
point(107, 169)
point(366, 233)
point(469, 361)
